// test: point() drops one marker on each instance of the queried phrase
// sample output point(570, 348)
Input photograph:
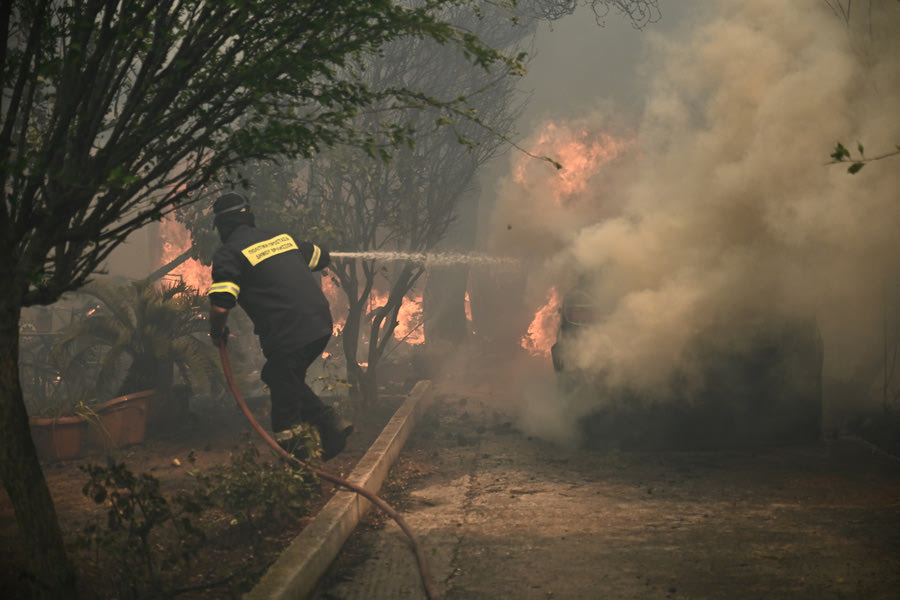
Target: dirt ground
point(227, 566)
point(505, 515)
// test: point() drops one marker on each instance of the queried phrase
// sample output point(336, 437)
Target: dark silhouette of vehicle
point(767, 389)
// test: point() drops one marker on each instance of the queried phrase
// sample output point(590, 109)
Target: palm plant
point(54, 383)
point(149, 329)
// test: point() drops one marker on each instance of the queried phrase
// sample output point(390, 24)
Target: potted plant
point(58, 438)
point(56, 396)
point(147, 336)
point(121, 421)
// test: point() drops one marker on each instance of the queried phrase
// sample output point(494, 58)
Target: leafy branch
point(841, 154)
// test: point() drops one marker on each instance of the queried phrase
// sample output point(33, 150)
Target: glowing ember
point(542, 330)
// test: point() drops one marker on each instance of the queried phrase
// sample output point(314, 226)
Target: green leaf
point(855, 167)
point(553, 162)
point(859, 147)
point(840, 152)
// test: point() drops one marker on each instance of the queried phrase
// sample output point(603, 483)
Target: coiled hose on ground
point(421, 558)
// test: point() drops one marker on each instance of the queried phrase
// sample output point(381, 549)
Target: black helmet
point(231, 202)
point(231, 211)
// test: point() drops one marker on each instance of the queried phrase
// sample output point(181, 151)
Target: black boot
point(333, 432)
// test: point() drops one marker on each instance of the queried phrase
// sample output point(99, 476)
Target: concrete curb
point(295, 574)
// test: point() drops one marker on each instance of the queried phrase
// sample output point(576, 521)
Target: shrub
point(147, 540)
point(257, 494)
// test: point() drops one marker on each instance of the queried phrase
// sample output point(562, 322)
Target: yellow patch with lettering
point(267, 249)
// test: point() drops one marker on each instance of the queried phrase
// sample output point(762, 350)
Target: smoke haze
point(729, 211)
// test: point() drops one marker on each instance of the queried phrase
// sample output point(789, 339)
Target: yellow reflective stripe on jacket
point(260, 251)
point(317, 254)
point(227, 287)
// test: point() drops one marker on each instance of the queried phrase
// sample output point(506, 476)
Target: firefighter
point(271, 277)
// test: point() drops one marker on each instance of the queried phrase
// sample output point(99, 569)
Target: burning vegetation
point(175, 240)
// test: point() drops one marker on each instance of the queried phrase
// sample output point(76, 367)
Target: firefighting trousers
point(293, 401)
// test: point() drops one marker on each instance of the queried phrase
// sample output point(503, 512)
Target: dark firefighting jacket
point(270, 276)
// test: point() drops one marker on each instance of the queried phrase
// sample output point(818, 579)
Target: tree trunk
point(49, 572)
point(368, 386)
point(445, 305)
point(444, 300)
point(350, 343)
point(148, 372)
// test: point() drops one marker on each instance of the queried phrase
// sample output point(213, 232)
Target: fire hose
point(421, 558)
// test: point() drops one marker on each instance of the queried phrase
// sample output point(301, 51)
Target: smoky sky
point(726, 209)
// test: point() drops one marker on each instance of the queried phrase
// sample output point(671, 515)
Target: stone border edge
point(297, 570)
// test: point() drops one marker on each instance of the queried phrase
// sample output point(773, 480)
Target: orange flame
point(337, 302)
point(582, 154)
point(468, 308)
point(409, 317)
point(175, 240)
point(542, 330)
point(410, 328)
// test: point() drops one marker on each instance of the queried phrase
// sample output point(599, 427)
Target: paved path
point(506, 516)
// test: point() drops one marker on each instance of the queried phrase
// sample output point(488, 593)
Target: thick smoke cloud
point(731, 213)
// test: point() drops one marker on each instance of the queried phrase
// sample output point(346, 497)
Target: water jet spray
point(439, 259)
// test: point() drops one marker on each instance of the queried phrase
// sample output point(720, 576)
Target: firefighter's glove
point(219, 336)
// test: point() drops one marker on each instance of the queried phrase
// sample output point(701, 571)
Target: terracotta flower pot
point(159, 410)
point(59, 438)
point(121, 421)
